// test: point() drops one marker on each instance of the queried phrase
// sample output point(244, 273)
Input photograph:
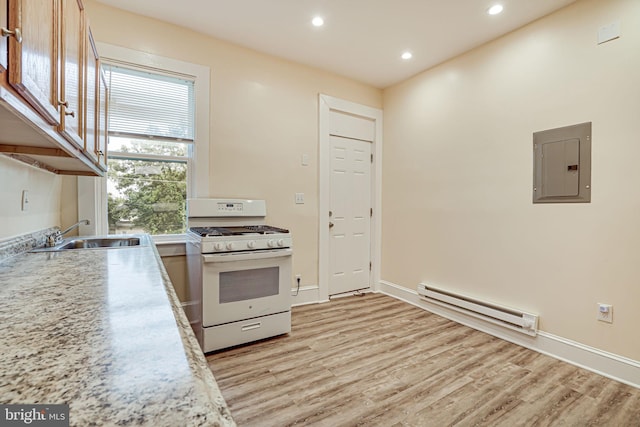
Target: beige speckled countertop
point(103, 331)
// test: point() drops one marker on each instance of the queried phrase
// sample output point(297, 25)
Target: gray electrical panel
point(562, 165)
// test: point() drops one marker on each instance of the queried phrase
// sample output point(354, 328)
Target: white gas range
point(239, 273)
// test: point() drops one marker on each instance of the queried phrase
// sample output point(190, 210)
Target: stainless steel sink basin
point(103, 242)
point(98, 242)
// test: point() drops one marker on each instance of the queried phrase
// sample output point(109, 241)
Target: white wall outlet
point(299, 198)
point(25, 200)
point(605, 313)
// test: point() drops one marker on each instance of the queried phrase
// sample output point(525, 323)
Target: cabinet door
point(33, 61)
point(103, 119)
point(4, 43)
point(71, 71)
point(90, 98)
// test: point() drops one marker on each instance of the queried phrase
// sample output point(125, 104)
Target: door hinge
point(371, 212)
point(371, 158)
point(369, 266)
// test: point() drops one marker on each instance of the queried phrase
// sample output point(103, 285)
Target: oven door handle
point(244, 256)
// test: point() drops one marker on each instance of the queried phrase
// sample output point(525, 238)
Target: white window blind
point(149, 105)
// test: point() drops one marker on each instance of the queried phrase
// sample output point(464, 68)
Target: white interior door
point(349, 215)
point(349, 252)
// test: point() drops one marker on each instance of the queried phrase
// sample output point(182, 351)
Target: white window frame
point(92, 191)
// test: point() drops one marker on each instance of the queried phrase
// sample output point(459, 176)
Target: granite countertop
point(103, 331)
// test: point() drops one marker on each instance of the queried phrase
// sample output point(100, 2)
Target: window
point(158, 151)
point(151, 130)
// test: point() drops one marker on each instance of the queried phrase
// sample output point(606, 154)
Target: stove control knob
point(230, 245)
point(280, 242)
point(218, 246)
point(271, 243)
point(251, 244)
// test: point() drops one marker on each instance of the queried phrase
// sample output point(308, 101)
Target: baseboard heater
point(513, 319)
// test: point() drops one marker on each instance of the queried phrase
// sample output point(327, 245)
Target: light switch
point(305, 160)
point(299, 198)
point(25, 200)
point(609, 32)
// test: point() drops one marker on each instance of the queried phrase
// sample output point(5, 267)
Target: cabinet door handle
point(100, 153)
point(65, 104)
point(15, 33)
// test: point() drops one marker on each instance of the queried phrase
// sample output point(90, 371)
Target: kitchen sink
point(98, 242)
point(103, 242)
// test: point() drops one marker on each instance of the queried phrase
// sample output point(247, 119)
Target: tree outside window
point(147, 196)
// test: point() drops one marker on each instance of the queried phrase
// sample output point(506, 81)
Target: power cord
point(298, 289)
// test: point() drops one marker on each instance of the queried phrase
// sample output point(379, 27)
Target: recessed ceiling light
point(407, 55)
point(317, 21)
point(495, 9)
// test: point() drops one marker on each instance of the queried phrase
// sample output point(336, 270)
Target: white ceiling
point(361, 39)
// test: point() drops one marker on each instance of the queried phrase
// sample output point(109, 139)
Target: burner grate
point(237, 231)
point(266, 229)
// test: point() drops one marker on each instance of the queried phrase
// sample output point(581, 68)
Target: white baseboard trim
point(607, 364)
point(305, 295)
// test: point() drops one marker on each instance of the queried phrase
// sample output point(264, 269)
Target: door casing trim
point(326, 105)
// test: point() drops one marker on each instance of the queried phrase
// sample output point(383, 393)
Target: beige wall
point(457, 185)
point(45, 192)
point(264, 116)
point(69, 203)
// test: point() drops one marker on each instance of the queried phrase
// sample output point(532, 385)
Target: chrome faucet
point(55, 238)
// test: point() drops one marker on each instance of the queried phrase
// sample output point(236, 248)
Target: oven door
point(243, 285)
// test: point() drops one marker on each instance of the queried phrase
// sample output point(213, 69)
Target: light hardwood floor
point(374, 360)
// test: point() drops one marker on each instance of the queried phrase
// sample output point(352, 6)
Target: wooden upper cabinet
point(32, 57)
point(49, 78)
point(71, 71)
point(96, 105)
point(4, 42)
point(91, 97)
point(103, 119)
